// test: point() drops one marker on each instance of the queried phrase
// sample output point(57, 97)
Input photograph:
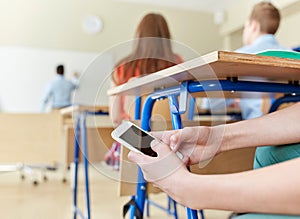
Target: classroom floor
point(53, 199)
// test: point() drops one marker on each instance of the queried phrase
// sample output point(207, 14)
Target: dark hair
point(152, 50)
point(60, 69)
point(267, 15)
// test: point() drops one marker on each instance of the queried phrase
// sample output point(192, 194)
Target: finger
point(138, 158)
point(184, 135)
point(164, 136)
point(185, 160)
point(174, 141)
point(157, 134)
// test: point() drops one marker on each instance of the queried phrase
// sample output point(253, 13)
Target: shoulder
point(118, 72)
point(63, 82)
point(264, 42)
point(120, 66)
point(248, 49)
point(119, 69)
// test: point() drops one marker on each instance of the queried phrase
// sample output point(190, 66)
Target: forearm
point(278, 128)
point(268, 190)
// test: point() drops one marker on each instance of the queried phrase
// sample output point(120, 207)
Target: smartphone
point(136, 139)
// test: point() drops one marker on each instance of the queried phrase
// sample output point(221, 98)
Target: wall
point(287, 35)
point(36, 35)
point(26, 71)
point(57, 24)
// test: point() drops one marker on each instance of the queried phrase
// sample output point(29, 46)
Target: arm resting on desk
point(278, 128)
point(202, 143)
point(273, 189)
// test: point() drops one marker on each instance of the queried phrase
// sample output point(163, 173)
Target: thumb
point(155, 145)
point(137, 157)
point(160, 147)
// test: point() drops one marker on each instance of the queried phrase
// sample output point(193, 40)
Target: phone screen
point(139, 139)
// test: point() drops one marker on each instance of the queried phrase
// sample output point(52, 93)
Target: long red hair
point(152, 50)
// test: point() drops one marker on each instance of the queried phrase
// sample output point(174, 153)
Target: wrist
point(184, 189)
point(229, 136)
point(236, 135)
point(197, 192)
point(219, 138)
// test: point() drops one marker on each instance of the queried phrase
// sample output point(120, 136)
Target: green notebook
point(281, 54)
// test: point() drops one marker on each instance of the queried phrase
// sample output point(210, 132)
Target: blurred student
point(258, 35)
point(59, 90)
point(152, 52)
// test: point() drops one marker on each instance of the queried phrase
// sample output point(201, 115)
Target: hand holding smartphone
point(136, 139)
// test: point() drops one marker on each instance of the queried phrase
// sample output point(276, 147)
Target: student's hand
point(75, 74)
point(165, 170)
point(164, 136)
point(196, 144)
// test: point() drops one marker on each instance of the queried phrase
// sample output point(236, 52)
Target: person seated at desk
point(258, 35)
point(152, 52)
point(59, 90)
point(271, 190)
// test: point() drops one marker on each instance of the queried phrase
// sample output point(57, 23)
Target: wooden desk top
point(215, 65)
point(79, 108)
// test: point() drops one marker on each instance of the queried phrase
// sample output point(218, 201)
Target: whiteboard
point(26, 71)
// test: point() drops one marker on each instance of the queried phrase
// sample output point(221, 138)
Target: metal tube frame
point(193, 87)
point(76, 161)
point(80, 134)
point(177, 124)
point(285, 99)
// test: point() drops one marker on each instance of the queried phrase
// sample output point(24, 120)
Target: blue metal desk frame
point(80, 134)
point(178, 108)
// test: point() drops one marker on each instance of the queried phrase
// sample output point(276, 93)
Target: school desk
point(217, 71)
point(81, 112)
